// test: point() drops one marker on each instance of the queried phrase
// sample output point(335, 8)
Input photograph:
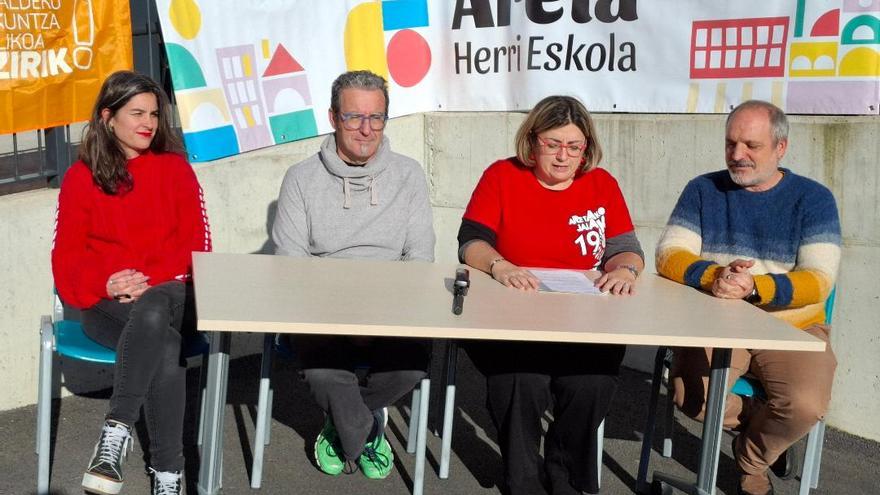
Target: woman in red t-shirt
point(550, 206)
point(130, 214)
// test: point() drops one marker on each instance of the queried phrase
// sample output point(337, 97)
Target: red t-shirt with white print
point(539, 227)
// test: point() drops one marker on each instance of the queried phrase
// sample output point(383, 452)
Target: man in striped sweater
point(761, 233)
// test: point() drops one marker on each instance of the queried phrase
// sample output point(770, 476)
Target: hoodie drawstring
point(346, 190)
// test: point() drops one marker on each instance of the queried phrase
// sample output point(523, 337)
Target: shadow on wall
point(268, 246)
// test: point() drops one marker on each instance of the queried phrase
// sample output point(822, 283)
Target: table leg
point(714, 420)
point(210, 470)
point(422, 439)
point(264, 411)
point(710, 449)
point(448, 408)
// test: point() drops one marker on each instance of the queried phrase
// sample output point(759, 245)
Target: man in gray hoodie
point(356, 198)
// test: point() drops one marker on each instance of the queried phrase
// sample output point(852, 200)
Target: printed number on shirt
point(591, 226)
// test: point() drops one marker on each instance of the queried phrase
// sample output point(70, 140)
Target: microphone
point(460, 289)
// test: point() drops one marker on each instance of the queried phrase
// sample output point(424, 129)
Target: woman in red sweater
point(130, 214)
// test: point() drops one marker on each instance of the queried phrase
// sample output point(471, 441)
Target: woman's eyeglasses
point(552, 147)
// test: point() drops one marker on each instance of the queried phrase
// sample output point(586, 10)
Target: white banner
point(256, 73)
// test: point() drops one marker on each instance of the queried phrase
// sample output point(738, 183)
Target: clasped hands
point(734, 281)
point(127, 285)
point(619, 281)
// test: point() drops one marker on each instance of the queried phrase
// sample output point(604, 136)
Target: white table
point(277, 294)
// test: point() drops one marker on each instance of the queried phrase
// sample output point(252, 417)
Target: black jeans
point(150, 370)
point(523, 379)
point(329, 364)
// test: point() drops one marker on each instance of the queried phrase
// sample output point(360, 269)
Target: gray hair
point(778, 119)
point(357, 79)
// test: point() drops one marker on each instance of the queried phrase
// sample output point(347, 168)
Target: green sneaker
point(327, 450)
point(377, 459)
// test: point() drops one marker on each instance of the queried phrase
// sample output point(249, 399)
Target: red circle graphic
point(409, 57)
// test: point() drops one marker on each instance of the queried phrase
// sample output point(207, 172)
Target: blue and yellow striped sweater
point(792, 231)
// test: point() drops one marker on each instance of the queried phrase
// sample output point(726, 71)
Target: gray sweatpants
point(393, 368)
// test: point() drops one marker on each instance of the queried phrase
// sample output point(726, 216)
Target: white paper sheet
point(565, 281)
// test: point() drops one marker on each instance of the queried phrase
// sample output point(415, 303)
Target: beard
point(746, 173)
point(733, 168)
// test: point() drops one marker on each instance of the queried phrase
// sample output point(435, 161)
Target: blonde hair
point(554, 112)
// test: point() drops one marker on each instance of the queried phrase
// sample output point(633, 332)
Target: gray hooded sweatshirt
point(376, 211)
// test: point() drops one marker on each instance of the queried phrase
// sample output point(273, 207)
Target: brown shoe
point(786, 464)
point(751, 484)
point(754, 484)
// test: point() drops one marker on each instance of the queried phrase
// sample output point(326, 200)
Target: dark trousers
point(329, 365)
point(150, 371)
point(523, 380)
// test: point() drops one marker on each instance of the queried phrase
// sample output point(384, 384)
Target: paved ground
point(850, 465)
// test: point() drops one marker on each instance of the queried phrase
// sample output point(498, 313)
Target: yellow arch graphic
point(812, 59)
point(862, 61)
point(364, 39)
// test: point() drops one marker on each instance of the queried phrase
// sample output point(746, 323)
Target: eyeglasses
point(354, 121)
point(553, 147)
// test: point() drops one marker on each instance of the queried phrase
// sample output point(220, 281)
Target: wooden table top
point(279, 294)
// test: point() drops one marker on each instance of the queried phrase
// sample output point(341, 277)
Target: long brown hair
point(554, 112)
point(101, 151)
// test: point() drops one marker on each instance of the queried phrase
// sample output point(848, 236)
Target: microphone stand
point(460, 289)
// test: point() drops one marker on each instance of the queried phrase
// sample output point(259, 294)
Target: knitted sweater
point(154, 228)
point(791, 231)
point(376, 211)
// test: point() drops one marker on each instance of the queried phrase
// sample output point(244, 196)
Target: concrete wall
point(652, 156)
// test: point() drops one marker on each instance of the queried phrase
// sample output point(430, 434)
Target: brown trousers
point(798, 388)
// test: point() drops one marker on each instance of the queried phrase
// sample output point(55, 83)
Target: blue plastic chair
point(418, 421)
point(67, 338)
point(745, 386)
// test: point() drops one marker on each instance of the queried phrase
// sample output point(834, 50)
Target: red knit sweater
point(154, 228)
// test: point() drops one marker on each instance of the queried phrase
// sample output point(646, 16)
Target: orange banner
point(54, 55)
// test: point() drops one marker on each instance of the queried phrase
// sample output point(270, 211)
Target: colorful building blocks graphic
point(206, 121)
point(861, 5)
point(861, 30)
point(402, 14)
point(185, 70)
point(186, 18)
point(827, 25)
point(202, 109)
point(288, 99)
point(813, 59)
point(736, 48)
point(239, 80)
point(243, 109)
point(846, 97)
point(861, 62)
point(282, 63)
point(408, 57)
